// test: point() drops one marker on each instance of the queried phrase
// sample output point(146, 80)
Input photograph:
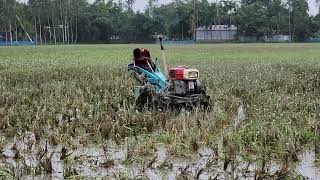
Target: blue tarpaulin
point(313, 40)
point(17, 43)
point(177, 42)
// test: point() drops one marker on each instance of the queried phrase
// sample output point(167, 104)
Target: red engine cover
point(176, 73)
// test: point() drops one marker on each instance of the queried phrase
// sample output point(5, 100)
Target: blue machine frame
point(155, 78)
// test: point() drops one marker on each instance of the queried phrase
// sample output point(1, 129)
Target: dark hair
point(137, 53)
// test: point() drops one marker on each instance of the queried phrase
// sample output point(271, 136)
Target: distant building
point(216, 33)
point(229, 33)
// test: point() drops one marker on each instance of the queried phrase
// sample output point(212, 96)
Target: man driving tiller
point(177, 87)
point(142, 58)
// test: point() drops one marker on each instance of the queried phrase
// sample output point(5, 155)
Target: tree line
point(74, 21)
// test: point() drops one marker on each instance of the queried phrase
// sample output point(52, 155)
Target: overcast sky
point(141, 4)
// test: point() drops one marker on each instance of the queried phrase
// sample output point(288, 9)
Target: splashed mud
point(240, 116)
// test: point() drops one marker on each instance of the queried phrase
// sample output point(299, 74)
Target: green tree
point(252, 20)
point(278, 17)
point(298, 18)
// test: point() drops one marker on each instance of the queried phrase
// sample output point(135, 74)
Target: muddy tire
point(145, 99)
point(205, 102)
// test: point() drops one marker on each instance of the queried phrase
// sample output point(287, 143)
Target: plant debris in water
point(41, 160)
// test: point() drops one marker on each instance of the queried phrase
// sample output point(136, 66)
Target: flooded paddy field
point(67, 112)
point(28, 159)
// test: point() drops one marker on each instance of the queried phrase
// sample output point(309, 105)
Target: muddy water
point(23, 156)
point(28, 159)
point(240, 115)
point(306, 166)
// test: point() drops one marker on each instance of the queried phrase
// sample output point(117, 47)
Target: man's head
point(145, 53)
point(137, 53)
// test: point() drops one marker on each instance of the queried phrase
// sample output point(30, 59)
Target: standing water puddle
point(306, 166)
point(96, 162)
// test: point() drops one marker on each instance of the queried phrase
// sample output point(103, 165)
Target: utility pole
point(290, 33)
point(194, 20)
point(318, 2)
point(218, 19)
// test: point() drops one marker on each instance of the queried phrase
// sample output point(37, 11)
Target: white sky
point(140, 5)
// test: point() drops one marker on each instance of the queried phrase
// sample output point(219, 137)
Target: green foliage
point(6, 173)
point(299, 13)
point(71, 21)
point(253, 20)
